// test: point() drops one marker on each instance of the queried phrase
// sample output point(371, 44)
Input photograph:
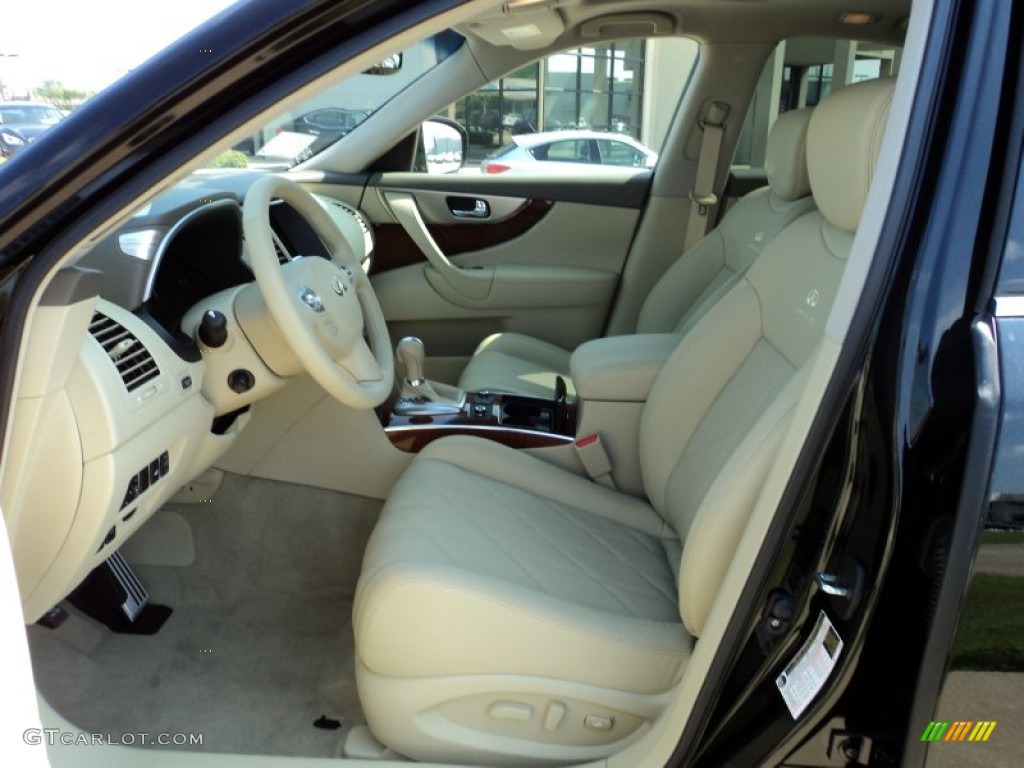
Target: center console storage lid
point(620, 368)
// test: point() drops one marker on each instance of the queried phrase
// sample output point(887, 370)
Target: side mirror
point(443, 146)
point(392, 65)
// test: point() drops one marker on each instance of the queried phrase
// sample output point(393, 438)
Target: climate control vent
point(133, 361)
point(279, 249)
point(359, 219)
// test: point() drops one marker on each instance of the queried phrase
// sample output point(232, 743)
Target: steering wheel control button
point(310, 298)
point(339, 285)
point(241, 380)
point(213, 329)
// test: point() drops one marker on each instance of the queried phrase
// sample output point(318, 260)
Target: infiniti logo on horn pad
point(310, 298)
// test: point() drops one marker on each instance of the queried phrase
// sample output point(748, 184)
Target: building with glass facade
point(632, 87)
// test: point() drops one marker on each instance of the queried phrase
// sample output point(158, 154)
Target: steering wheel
point(320, 305)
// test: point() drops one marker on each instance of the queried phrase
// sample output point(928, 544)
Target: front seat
point(513, 362)
point(509, 611)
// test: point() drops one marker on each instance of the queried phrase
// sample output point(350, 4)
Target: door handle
point(473, 284)
point(469, 208)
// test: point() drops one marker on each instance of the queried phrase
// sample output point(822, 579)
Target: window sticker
point(810, 669)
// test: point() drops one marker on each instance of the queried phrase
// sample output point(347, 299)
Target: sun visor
point(526, 30)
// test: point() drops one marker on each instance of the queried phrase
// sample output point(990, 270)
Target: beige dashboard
point(114, 412)
point(109, 423)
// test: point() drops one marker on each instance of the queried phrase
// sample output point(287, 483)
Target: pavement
point(977, 696)
point(1004, 559)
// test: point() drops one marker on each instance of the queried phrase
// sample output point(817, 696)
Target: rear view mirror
point(443, 146)
point(392, 65)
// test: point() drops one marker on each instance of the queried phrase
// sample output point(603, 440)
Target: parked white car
point(576, 149)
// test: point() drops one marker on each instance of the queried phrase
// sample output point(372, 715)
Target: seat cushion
point(470, 572)
point(512, 362)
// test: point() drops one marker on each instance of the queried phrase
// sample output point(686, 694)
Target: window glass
point(628, 87)
point(331, 115)
point(575, 151)
point(800, 73)
point(618, 153)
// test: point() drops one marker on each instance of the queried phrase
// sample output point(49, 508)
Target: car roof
point(533, 139)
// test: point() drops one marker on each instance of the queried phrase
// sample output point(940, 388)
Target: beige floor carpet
point(260, 641)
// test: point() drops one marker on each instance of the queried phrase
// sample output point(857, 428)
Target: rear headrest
point(785, 159)
point(842, 148)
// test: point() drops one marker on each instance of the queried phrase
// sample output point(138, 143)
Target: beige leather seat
point(513, 362)
point(509, 611)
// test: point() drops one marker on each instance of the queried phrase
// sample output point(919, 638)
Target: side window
point(571, 151)
point(560, 108)
point(620, 153)
point(799, 73)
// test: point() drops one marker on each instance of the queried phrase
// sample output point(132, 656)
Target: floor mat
point(260, 642)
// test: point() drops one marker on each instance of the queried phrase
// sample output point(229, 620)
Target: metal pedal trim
point(136, 596)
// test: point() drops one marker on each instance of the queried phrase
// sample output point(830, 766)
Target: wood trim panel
point(412, 433)
point(413, 440)
point(394, 248)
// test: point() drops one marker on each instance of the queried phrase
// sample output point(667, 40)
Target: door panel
point(395, 248)
point(505, 256)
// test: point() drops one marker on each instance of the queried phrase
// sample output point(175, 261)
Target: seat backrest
point(710, 268)
point(719, 407)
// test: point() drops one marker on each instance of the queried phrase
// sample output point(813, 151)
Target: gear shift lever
point(410, 352)
point(420, 397)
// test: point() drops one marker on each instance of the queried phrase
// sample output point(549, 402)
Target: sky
point(88, 45)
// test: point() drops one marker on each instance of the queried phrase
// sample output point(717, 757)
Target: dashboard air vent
point(133, 361)
point(359, 219)
point(282, 254)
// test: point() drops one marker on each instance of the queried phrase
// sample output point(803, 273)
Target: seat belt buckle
point(595, 459)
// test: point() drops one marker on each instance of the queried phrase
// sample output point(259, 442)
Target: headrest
point(785, 159)
point(842, 148)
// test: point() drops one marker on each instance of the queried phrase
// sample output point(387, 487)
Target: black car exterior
point(893, 489)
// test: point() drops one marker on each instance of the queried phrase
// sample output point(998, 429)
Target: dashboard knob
point(213, 329)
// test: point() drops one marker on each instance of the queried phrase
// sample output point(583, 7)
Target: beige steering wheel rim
point(320, 306)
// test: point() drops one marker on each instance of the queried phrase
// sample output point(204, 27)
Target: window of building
point(599, 87)
point(628, 88)
point(800, 73)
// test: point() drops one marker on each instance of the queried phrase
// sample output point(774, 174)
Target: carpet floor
point(259, 645)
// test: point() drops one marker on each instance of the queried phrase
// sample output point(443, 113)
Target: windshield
point(28, 113)
point(314, 125)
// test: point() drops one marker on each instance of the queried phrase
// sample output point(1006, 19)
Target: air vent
point(279, 249)
point(359, 219)
point(133, 361)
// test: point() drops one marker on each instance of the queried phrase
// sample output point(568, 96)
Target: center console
point(514, 420)
point(424, 410)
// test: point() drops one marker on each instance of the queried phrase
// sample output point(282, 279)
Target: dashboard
point(117, 390)
point(188, 244)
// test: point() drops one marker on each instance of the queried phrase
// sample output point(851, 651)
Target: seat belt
point(595, 459)
point(703, 198)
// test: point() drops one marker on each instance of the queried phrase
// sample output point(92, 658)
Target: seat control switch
point(510, 710)
point(554, 716)
point(599, 722)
